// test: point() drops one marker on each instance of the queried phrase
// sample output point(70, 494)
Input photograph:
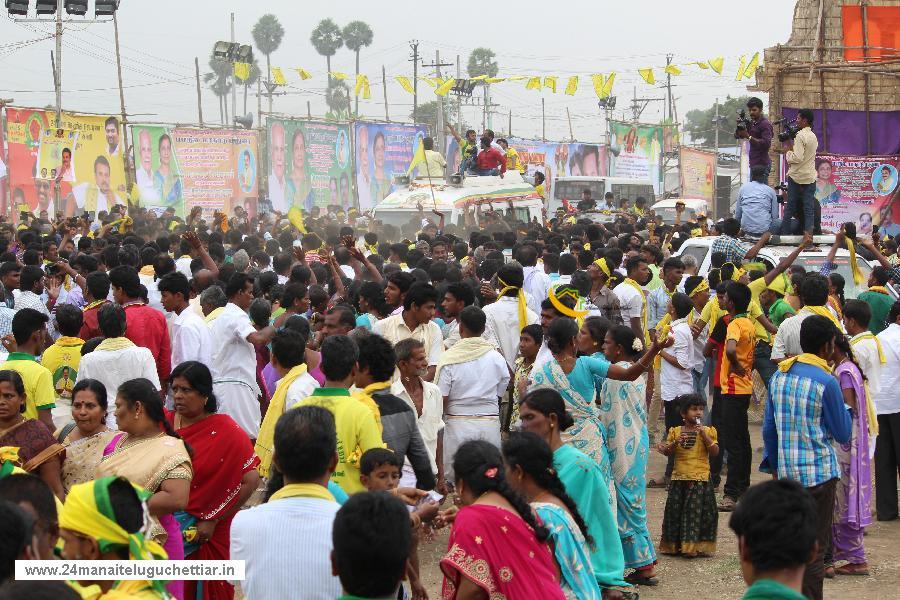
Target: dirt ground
point(719, 577)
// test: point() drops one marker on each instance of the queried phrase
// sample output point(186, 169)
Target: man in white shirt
point(190, 336)
point(472, 376)
point(234, 357)
point(457, 297)
point(632, 299)
point(434, 164)
point(117, 359)
point(286, 543)
point(866, 348)
point(887, 406)
point(144, 175)
point(92, 197)
point(29, 295)
point(416, 322)
point(276, 177)
point(504, 324)
point(802, 210)
point(536, 282)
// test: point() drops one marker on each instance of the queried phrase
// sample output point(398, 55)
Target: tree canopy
point(481, 62)
point(267, 34)
point(699, 123)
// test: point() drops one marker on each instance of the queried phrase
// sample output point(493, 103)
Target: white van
point(692, 208)
point(570, 188)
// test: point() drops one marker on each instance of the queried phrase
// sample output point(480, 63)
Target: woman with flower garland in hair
point(497, 548)
point(529, 469)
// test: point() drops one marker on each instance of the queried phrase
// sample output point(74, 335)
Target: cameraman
point(801, 193)
point(759, 134)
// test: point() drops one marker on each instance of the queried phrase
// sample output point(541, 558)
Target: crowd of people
point(319, 403)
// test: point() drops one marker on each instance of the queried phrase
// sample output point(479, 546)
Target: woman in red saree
point(224, 473)
point(497, 548)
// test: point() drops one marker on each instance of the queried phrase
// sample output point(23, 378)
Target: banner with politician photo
point(860, 189)
point(636, 150)
point(308, 165)
point(697, 169)
point(90, 177)
point(180, 168)
point(382, 151)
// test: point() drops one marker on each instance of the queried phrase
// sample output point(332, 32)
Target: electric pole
point(233, 81)
point(124, 149)
point(439, 122)
point(414, 45)
point(638, 105)
point(669, 85)
point(715, 178)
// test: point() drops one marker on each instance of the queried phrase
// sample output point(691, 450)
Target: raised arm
point(202, 254)
point(752, 252)
point(788, 260)
point(642, 364)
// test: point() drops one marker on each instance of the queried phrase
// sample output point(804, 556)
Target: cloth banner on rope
point(362, 86)
point(716, 64)
point(750, 71)
point(608, 85)
point(303, 73)
point(534, 83)
point(405, 84)
point(278, 76)
point(338, 75)
point(647, 75)
point(550, 83)
point(572, 86)
point(741, 68)
point(445, 87)
point(672, 70)
point(598, 80)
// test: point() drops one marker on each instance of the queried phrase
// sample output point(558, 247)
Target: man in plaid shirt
point(805, 414)
point(728, 244)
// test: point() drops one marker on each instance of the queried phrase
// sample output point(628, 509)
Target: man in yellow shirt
point(63, 358)
point(30, 330)
point(354, 422)
point(513, 162)
point(434, 164)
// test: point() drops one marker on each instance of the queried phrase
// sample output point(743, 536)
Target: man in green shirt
point(371, 538)
point(772, 300)
point(775, 523)
point(29, 329)
point(878, 298)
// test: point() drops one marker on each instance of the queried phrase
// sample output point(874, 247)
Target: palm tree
point(251, 80)
point(357, 35)
point(267, 35)
point(337, 97)
point(219, 81)
point(327, 39)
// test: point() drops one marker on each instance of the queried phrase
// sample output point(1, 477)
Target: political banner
point(859, 189)
point(181, 167)
point(4, 173)
point(382, 151)
point(697, 172)
point(90, 178)
point(308, 165)
point(638, 148)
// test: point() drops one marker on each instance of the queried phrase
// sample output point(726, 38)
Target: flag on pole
point(418, 158)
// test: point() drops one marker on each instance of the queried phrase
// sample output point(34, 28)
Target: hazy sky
point(160, 39)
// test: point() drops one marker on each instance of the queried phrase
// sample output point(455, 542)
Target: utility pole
point(124, 148)
point(387, 116)
point(439, 125)
point(669, 87)
point(569, 117)
point(57, 75)
point(458, 97)
point(715, 178)
point(543, 121)
point(233, 81)
point(199, 99)
point(638, 105)
point(414, 45)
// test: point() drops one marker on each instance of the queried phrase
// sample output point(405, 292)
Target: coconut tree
point(357, 35)
point(337, 97)
point(327, 39)
point(219, 81)
point(267, 35)
point(250, 81)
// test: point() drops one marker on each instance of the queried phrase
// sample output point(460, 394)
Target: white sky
point(160, 39)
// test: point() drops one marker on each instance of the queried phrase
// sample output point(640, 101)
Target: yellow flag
point(647, 75)
point(519, 77)
point(550, 83)
point(445, 87)
point(607, 87)
point(741, 68)
point(672, 70)
point(494, 79)
point(295, 217)
point(362, 86)
point(478, 78)
point(572, 86)
point(750, 71)
point(418, 158)
point(432, 81)
point(702, 65)
point(242, 70)
point(278, 76)
point(338, 75)
point(534, 83)
point(303, 73)
point(598, 81)
point(716, 64)
point(405, 84)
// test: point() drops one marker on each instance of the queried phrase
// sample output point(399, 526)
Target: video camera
point(743, 124)
point(781, 192)
point(790, 130)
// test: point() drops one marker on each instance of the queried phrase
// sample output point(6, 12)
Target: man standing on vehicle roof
point(759, 134)
point(610, 201)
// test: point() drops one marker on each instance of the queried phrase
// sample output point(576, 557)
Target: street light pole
point(233, 79)
point(58, 64)
point(124, 148)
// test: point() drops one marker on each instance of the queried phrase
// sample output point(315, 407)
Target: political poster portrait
point(382, 151)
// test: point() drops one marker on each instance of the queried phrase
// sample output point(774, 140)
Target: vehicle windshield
point(668, 214)
point(571, 190)
point(813, 264)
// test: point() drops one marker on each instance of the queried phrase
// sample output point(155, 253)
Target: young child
point(690, 520)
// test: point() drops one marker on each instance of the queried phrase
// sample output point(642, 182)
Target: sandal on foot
point(727, 504)
point(853, 569)
point(829, 572)
point(659, 485)
point(637, 578)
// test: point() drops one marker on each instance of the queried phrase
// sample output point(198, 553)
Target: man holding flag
point(432, 162)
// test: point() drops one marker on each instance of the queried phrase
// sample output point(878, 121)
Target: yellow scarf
point(365, 396)
point(372, 248)
point(303, 490)
point(93, 304)
point(464, 350)
point(871, 415)
point(265, 441)
point(147, 270)
point(701, 287)
point(634, 284)
point(806, 359)
point(858, 277)
point(562, 292)
point(879, 289)
point(112, 344)
point(870, 336)
point(823, 312)
point(662, 332)
point(213, 315)
point(603, 266)
point(523, 304)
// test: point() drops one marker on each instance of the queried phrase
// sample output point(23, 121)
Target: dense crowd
point(318, 403)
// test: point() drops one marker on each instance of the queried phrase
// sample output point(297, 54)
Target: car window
point(632, 192)
point(697, 251)
point(813, 264)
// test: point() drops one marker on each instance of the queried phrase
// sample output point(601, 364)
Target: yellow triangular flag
point(534, 83)
point(598, 81)
point(750, 71)
point(572, 86)
point(550, 83)
point(338, 75)
point(518, 77)
point(716, 64)
point(303, 73)
point(494, 79)
point(478, 78)
point(242, 70)
point(405, 84)
point(741, 68)
point(432, 81)
point(445, 87)
point(295, 217)
point(607, 87)
point(702, 65)
point(647, 75)
point(672, 70)
point(278, 76)
point(418, 158)
point(362, 85)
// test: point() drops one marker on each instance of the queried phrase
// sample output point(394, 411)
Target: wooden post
point(509, 127)
point(569, 117)
point(387, 116)
point(543, 122)
point(308, 110)
point(199, 100)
